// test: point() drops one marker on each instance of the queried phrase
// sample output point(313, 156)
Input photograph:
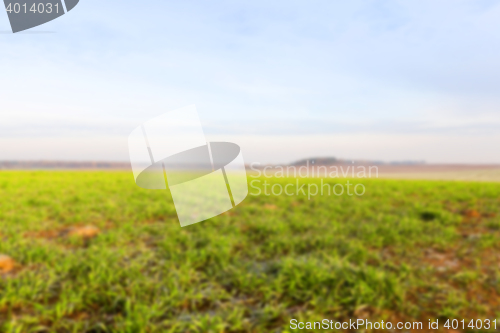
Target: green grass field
point(406, 250)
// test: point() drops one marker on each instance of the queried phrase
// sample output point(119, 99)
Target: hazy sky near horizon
point(384, 80)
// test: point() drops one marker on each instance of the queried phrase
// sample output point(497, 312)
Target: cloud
point(281, 68)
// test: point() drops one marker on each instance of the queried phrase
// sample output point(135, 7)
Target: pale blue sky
point(392, 80)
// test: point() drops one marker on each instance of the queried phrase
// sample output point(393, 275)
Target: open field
point(488, 173)
point(462, 172)
point(405, 250)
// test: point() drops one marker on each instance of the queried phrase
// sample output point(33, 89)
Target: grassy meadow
point(405, 250)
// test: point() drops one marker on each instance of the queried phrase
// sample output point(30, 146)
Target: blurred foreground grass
point(405, 250)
